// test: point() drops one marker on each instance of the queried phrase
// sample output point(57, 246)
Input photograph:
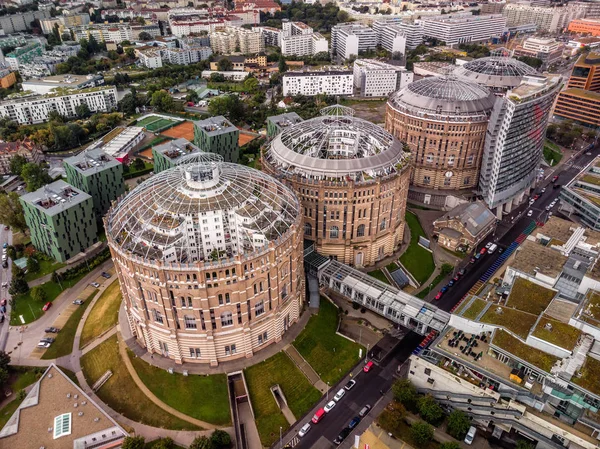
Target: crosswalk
point(293, 442)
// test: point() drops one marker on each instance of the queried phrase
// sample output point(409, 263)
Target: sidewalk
point(224, 367)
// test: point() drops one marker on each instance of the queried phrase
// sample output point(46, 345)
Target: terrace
point(556, 332)
point(503, 340)
point(590, 375)
point(472, 307)
point(589, 311)
point(529, 296)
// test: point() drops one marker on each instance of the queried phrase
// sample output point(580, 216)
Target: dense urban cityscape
point(299, 224)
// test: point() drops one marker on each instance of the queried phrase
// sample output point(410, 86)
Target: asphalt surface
point(380, 378)
point(5, 276)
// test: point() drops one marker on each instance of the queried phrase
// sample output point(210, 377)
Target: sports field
point(185, 130)
point(154, 123)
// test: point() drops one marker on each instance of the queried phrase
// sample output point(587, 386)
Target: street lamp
point(280, 437)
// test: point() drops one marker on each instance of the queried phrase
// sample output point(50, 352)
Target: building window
point(229, 350)
point(195, 353)
point(470, 159)
point(334, 232)
point(220, 299)
point(259, 309)
point(430, 158)
point(307, 229)
point(62, 425)
point(446, 181)
point(190, 322)
point(262, 338)
point(227, 299)
point(226, 319)
point(382, 225)
point(466, 180)
point(360, 231)
point(157, 316)
point(426, 179)
point(451, 160)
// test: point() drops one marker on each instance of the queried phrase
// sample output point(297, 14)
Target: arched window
point(334, 232)
point(307, 229)
point(360, 231)
point(226, 319)
point(383, 225)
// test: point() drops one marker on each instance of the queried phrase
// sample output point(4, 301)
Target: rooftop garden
point(529, 296)
point(590, 179)
point(474, 309)
point(590, 376)
point(591, 311)
point(535, 357)
point(512, 319)
point(557, 332)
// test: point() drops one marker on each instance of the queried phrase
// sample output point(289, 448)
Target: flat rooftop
point(121, 139)
point(532, 258)
point(92, 161)
point(214, 126)
point(62, 80)
point(176, 149)
point(55, 197)
point(285, 120)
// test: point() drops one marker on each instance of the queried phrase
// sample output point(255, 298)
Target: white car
point(339, 395)
point(304, 430)
point(329, 406)
point(530, 213)
point(5, 285)
point(470, 435)
point(43, 345)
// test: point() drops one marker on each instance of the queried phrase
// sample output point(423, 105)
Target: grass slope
point(104, 314)
point(417, 259)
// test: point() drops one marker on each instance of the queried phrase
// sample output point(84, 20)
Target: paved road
point(369, 385)
point(5, 276)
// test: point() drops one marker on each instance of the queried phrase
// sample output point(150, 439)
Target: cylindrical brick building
point(443, 120)
point(352, 180)
point(210, 261)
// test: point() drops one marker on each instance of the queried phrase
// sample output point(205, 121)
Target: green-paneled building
point(218, 135)
point(61, 220)
point(98, 175)
point(277, 123)
point(168, 154)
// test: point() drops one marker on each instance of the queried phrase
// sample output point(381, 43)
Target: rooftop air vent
point(548, 326)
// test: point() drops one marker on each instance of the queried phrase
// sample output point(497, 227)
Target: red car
point(536, 197)
point(47, 306)
point(368, 367)
point(555, 179)
point(483, 251)
point(438, 296)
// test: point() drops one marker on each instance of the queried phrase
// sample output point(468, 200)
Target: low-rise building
point(26, 148)
point(218, 135)
point(50, 83)
point(277, 123)
point(465, 226)
point(459, 29)
point(585, 26)
point(97, 174)
point(167, 155)
point(328, 82)
point(581, 196)
point(120, 141)
point(379, 79)
point(548, 50)
point(32, 109)
point(24, 54)
point(348, 39)
point(57, 413)
point(61, 220)
point(7, 78)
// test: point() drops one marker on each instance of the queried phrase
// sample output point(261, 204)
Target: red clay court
point(185, 130)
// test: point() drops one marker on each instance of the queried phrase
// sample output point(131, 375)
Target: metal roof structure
point(336, 147)
point(495, 72)
point(444, 98)
point(337, 109)
point(184, 214)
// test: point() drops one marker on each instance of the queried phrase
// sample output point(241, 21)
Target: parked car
point(43, 345)
point(368, 367)
point(472, 260)
point(304, 430)
point(470, 435)
point(4, 264)
point(364, 411)
point(78, 302)
point(488, 245)
point(342, 436)
point(2, 318)
point(5, 285)
point(543, 190)
point(6, 228)
point(554, 179)
point(444, 289)
point(95, 285)
point(51, 330)
point(5, 245)
point(439, 295)
point(492, 248)
point(451, 283)
point(462, 272)
point(483, 251)
point(48, 339)
point(47, 306)
point(530, 213)
point(477, 256)
point(456, 278)
point(354, 422)
point(350, 385)
point(105, 275)
point(329, 406)
point(339, 395)
point(318, 416)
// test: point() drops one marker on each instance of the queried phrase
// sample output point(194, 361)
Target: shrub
point(220, 439)
point(405, 392)
point(133, 443)
point(421, 433)
point(201, 443)
point(355, 305)
point(458, 424)
point(450, 445)
point(164, 443)
point(430, 410)
point(391, 417)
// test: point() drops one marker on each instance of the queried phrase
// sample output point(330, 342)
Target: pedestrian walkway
point(306, 369)
point(98, 341)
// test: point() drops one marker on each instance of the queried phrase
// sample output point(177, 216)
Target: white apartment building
point(378, 79)
point(547, 19)
point(349, 39)
point(270, 35)
point(114, 32)
point(454, 30)
point(149, 57)
point(298, 39)
point(185, 56)
point(35, 109)
point(236, 40)
point(548, 50)
point(315, 83)
point(391, 36)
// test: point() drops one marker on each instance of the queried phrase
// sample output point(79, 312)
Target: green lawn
point(299, 393)
point(330, 355)
point(417, 259)
point(7, 411)
point(120, 391)
point(23, 376)
point(46, 267)
point(30, 309)
point(379, 275)
point(201, 397)
point(104, 315)
point(64, 339)
point(446, 270)
point(552, 153)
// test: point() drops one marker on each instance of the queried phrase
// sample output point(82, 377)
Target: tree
point(228, 105)
point(392, 416)
point(430, 410)
point(16, 164)
point(82, 110)
point(450, 445)
point(536, 63)
point(201, 442)
point(220, 439)
point(11, 211)
point(138, 164)
point(251, 84)
point(18, 284)
point(524, 444)
point(283, 67)
point(458, 424)
point(56, 277)
point(145, 36)
point(35, 176)
point(224, 65)
point(112, 54)
point(33, 266)
point(133, 443)
point(4, 360)
point(422, 433)
point(192, 96)
point(405, 392)
point(11, 253)
point(162, 101)
point(38, 294)
point(164, 443)
point(130, 52)
point(217, 77)
point(128, 104)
